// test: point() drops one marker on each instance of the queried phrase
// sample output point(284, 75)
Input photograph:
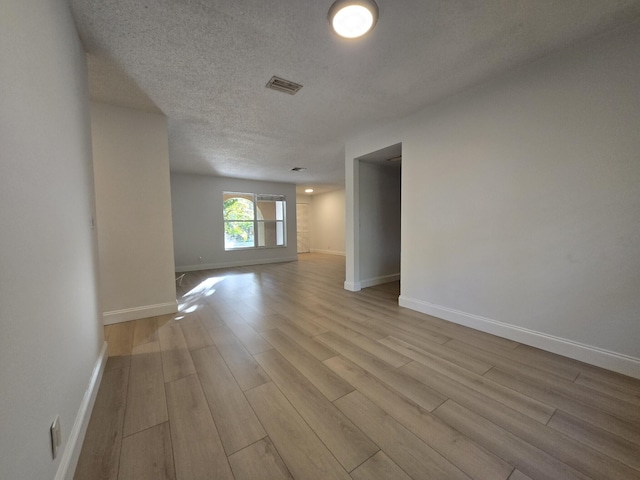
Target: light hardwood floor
point(276, 372)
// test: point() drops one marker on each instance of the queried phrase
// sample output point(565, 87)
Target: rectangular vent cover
point(282, 85)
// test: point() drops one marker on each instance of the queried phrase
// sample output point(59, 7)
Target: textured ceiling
point(205, 63)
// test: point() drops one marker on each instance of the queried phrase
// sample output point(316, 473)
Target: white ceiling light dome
point(353, 18)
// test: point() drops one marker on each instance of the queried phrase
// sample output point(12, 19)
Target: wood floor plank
point(377, 349)
point(145, 331)
point(146, 403)
point(347, 443)
point(500, 358)
point(305, 341)
point(422, 395)
point(251, 340)
point(527, 458)
point(409, 452)
point(459, 450)
point(379, 467)
point(245, 369)
point(331, 385)
point(198, 452)
point(208, 317)
point(237, 424)
point(386, 326)
point(176, 361)
point(536, 409)
point(302, 451)
point(518, 475)
point(114, 363)
point(620, 405)
point(148, 455)
point(121, 339)
point(576, 454)
point(625, 410)
point(304, 320)
point(613, 379)
point(601, 440)
point(623, 392)
point(338, 317)
point(259, 461)
point(262, 322)
point(576, 408)
point(100, 455)
point(194, 333)
point(422, 355)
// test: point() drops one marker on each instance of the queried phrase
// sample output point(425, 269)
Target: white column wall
point(133, 204)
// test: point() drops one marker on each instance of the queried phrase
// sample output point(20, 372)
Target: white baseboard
point(372, 282)
point(241, 263)
point(328, 252)
point(352, 286)
point(71, 453)
point(617, 362)
point(135, 313)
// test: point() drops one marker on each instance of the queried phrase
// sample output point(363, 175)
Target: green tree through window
point(238, 223)
point(254, 220)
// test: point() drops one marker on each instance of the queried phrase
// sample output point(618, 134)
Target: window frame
point(255, 198)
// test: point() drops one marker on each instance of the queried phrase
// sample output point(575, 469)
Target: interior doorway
point(375, 219)
point(302, 228)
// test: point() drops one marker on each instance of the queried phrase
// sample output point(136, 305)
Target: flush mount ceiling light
point(353, 18)
point(308, 190)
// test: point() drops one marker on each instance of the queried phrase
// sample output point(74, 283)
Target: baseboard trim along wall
point(71, 453)
point(372, 282)
point(328, 252)
point(617, 362)
point(128, 314)
point(241, 263)
point(352, 286)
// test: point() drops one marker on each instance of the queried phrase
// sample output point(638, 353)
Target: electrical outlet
point(56, 437)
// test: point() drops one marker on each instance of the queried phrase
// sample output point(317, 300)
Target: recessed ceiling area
point(205, 64)
point(391, 155)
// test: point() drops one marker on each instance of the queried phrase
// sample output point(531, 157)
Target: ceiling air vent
point(298, 169)
point(282, 85)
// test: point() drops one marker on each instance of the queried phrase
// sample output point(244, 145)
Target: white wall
point(379, 223)
point(133, 205)
point(327, 222)
point(50, 335)
point(198, 229)
point(521, 203)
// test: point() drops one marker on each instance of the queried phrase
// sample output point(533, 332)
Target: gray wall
point(521, 203)
point(379, 223)
point(327, 222)
point(50, 334)
point(198, 222)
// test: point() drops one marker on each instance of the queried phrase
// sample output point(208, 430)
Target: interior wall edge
point(617, 362)
point(135, 313)
point(328, 252)
point(239, 263)
point(380, 280)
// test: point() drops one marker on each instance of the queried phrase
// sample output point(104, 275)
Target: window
point(254, 221)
